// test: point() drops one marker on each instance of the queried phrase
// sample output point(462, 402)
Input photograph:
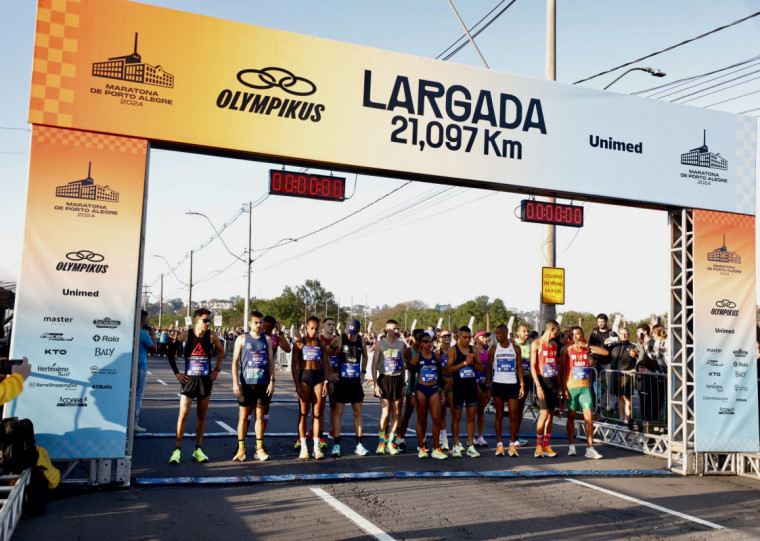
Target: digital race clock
point(307, 185)
point(551, 213)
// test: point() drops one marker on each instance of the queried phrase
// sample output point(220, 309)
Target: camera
point(6, 365)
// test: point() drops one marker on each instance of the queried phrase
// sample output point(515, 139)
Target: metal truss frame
point(748, 465)
point(620, 436)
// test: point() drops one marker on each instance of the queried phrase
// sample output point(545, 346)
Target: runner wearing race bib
point(543, 368)
point(253, 383)
point(349, 389)
point(505, 378)
point(482, 343)
point(428, 367)
point(523, 342)
point(576, 363)
point(327, 337)
point(462, 367)
point(445, 389)
point(387, 371)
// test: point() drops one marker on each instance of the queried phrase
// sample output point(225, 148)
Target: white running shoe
point(571, 450)
point(481, 442)
point(360, 450)
point(472, 452)
point(593, 453)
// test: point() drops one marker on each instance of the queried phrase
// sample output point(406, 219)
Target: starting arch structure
point(113, 79)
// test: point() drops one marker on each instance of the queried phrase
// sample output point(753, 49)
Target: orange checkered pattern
point(86, 139)
point(56, 43)
point(725, 218)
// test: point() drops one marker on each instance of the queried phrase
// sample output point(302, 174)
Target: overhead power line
point(479, 31)
point(669, 48)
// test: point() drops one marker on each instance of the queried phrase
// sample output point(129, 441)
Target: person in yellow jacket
point(13, 383)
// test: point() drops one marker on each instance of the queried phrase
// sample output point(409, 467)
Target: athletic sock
point(381, 436)
point(358, 440)
point(539, 440)
point(443, 435)
point(241, 445)
point(259, 444)
point(391, 437)
point(499, 443)
point(303, 442)
point(547, 437)
point(336, 439)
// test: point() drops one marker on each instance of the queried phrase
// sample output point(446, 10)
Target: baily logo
point(83, 261)
point(132, 69)
point(87, 189)
point(702, 157)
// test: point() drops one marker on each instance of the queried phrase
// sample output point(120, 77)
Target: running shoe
point(322, 444)
point(571, 450)
point(457, 451)
point(393, 448)
point(522, 441)
point(380, 448)
point(174, 459)
point(472, 452)
point(499, 449)
point(401, 444)
point(512, 451)
point(422, 453)
point(480, 442)
point(199, 456)
point(304, 453)
point(318, 453)
point(445, 445)
point(261, 454)
point(539, 452)
point(360, 450)
point(239, 456)
point(298, 444)
point(593, 453)
point(548, 451)
point(331, 435)
point(335, 450)
point(139, 430)
point(437, 453)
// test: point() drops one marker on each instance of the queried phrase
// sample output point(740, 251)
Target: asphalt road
point(580, 503)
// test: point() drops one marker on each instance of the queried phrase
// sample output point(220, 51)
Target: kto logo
point(55, 352)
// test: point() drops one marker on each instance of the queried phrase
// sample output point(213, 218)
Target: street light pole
point(247, 304)
point(161, 304)
point(190, 287)
point(654, 72)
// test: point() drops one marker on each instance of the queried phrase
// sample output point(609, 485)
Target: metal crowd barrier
point(12, 498)
point(646, 392)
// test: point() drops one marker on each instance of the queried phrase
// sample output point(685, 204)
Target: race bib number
point(444, 359)
point(334, 361)
point(312, 353)
point(392, 360)
point(580, 373)
point(429, 374)
point(256, 368)
point(467, 372)
point(505, 365)
point(349, 369)
point(550, 370)
point(197, 366)
point(480, 377)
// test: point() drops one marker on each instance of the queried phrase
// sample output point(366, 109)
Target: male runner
point(447, 393)
point(197, 378)
point(352, 367)
point(482, 345)
point(327, 337)
point(271, 327)
point(253, 382)
point(462, 367)
point(543, 369)
point(576, 362)
point(310, 384)
point(504, 378)
point(389, 383)
point(523, 342)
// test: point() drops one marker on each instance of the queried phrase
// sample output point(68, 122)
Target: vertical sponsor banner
point(725, 371)
point(75, 309)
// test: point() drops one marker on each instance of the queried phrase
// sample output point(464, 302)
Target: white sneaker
point(471, 452)
point(139, 430)
point(571, 450)
point(593, 453)
point(360, 450)
point(481, 442)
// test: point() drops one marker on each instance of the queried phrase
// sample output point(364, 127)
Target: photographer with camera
point(14, 373)
point(147, 344)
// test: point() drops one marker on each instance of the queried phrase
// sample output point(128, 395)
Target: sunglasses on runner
point(445, 336)
point(206, 320)
point(426, 341)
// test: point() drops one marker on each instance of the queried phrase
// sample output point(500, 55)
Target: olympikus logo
point(82, 261)
point(725, 307)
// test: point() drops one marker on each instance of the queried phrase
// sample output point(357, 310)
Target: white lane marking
point(223, 372)
point(227, 427)
point(352, 515)
point(150, 373)
point(650, 505)
point(162, 382)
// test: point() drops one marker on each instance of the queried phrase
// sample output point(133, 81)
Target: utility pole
point(145, 297)
point(549, 244)
point(247, 303)
point(190, 288)
point(161, 303)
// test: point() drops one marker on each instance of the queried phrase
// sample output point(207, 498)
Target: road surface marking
point(149, 372)
point(352, 515)
point(223, 372)
point(650, 505)
point(162, 382)
point(227, 427)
